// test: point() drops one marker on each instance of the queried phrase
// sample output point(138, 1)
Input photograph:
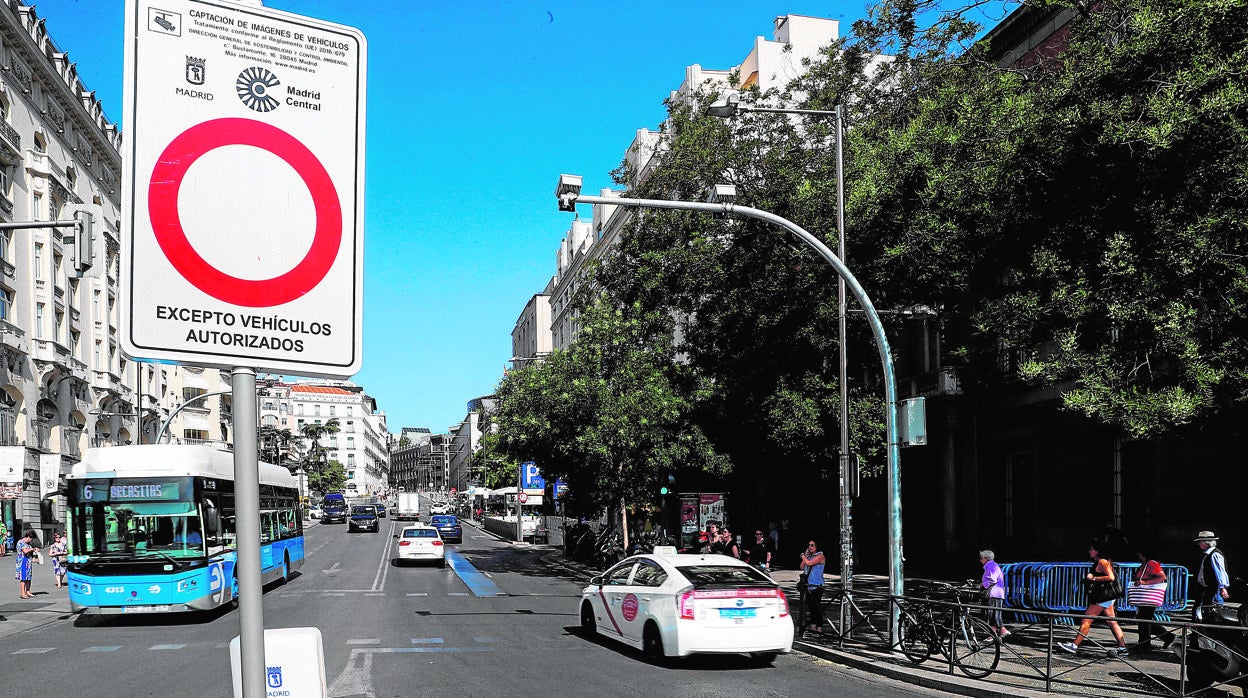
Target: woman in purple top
point(994, 581)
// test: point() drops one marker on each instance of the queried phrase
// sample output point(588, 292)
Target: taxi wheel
point(652, 643)
point(587, 618)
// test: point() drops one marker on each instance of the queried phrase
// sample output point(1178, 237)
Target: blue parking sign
point(531, 477)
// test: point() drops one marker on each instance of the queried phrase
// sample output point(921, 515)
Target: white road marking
point(334, 570)
point(356, 678)
point(426, 641)
point(383, 565)
point(363, 642)
point(419, 593)
point(167, 647)
point(485, 640)
point(458, 593)
point(34, 650)
point(103, 648)
point(333, 594)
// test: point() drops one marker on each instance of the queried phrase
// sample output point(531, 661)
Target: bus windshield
point(138, 529)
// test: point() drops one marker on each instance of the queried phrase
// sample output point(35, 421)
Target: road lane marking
point(334, 570)
point(103, 648)
point(34, 650)
point(458, 593)
point(356, 678)
point(419, 593)
point(334, 594)
point(363, 642)
point(167, 647)
point(406, 650)
point(485, 640)
point(383, 565)
point(477, 583)
point(426, 641)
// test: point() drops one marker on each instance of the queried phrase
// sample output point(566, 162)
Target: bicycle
point(975, 645)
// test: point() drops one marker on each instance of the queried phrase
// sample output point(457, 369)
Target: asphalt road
point(403, 631)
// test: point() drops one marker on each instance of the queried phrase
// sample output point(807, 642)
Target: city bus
point(152, 529)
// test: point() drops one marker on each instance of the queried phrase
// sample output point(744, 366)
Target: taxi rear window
point(704, 576)
point(420, 533)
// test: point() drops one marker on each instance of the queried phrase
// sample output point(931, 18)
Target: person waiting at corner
point(812, 570)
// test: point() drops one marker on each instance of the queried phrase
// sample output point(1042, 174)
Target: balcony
point(80, 370)
point(39, 164)
point(13, 337)
point(52, 352)
point(10, 143)
point(103, 380)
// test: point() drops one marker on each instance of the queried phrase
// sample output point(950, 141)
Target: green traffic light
point(663, 490)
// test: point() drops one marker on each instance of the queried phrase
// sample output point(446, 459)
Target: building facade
point(361, 444)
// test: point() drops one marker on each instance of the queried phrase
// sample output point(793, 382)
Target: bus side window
point(266, 527)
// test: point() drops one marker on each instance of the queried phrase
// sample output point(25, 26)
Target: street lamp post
point(569, 195)
point(727, 106)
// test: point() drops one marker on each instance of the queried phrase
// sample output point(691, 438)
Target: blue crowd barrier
point(1059, 587)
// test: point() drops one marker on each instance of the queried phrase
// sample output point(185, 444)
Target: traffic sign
point(531, 478)
point(524, 497)
point(244, 178)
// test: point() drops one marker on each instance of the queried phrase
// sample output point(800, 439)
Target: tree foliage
point(610, 415)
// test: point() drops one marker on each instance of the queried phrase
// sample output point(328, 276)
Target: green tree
point(330, 477)
point(278, 446)
point(316, 458)
point(611, 415)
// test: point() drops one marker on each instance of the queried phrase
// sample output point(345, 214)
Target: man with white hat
point(1212, 581)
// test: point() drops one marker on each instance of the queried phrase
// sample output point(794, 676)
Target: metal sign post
point(244, 210)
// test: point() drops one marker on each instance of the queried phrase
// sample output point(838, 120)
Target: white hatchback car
point(671, 605)
point(421, 543)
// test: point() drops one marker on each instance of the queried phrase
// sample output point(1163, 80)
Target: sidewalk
point(17, 615)
point(1024, 655)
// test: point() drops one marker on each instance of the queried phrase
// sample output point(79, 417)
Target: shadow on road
point(697, 662)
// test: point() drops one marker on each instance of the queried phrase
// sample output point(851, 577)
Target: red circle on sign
point(629, 606)
point(162, 197)
point(524, 497)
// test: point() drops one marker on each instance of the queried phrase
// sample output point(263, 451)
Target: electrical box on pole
point(912, 421)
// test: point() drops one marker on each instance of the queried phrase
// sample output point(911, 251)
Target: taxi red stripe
point(607, 607)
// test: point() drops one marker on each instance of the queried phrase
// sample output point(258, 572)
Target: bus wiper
point(176, 562)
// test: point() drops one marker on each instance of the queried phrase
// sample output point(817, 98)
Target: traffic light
point(83, 254)
point(668, 486)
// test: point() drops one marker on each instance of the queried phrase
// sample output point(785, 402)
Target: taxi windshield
point(704, 576)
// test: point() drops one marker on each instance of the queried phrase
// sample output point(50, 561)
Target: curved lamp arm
point(165, 427)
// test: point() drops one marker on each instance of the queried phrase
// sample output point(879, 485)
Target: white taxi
point(672, 605)
point(421, 543)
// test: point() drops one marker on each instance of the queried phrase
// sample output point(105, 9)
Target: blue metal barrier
point(1059, 587)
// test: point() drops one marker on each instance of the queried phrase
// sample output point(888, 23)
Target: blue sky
point(474, 108)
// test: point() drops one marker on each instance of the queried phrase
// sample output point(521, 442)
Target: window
point(73, 343)
point(649, 574)
point(39, 319)
point(36, 206)
point(350, 460)
point(38, 259)
point(57, 263)
point(316, 410)
point(6, 304)
point(333, 410)
point(99, 361)
point(299, 410)
point(349, 410)
point(283, 409)
point(268, 405)
point(95, 305)
point(6, 243)
point(189, 394)
point(60, 325)
point(350, 442)
point(619, 575)
point(5, 181)
point(41, 143)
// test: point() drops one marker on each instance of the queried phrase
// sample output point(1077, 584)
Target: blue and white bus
point(152, 529)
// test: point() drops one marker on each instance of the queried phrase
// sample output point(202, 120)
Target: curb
point(939, 682)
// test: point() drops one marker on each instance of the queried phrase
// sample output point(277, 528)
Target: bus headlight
point(81, 587)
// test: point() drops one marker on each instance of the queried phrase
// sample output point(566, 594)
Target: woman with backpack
point(1104, 588)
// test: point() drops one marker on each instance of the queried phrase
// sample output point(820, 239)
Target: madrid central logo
point(253, 87)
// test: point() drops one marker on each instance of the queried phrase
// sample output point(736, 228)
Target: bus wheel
point(233, 591)
point(286, 569)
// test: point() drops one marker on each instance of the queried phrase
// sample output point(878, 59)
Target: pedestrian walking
point(4, 538)
point(59, 551)
point(812, 579)
point(993, 584)
point(761, 551)
point(26, 552)
point(1104, 588)
point(1146, 593)
point(1212, 582)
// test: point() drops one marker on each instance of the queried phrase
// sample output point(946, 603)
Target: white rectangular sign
point(244, 176)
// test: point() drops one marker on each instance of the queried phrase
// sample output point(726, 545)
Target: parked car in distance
point(363, 518)
point(421, 542)
point(315, 512)
point(448, 527)
point(674, 605)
